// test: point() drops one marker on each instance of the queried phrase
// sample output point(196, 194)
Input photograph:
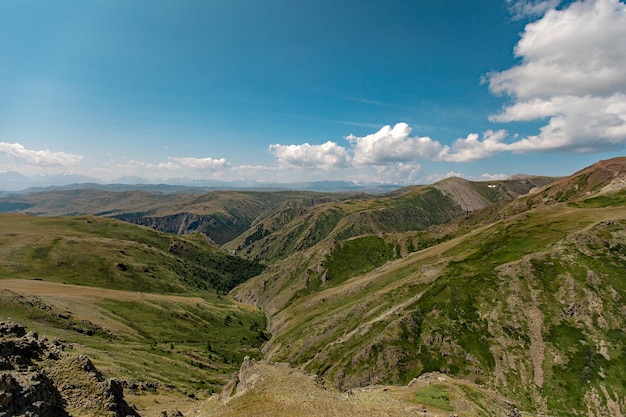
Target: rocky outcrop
point(220, 229)
point(463, 193)
point(38, 379)
point(25, 389)
point(29, 393)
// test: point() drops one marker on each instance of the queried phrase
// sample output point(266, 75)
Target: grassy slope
point(143, 305)
point(107, 253)
point(221, 215)
point(284, 221)
point(298, 225)
point(530, 304)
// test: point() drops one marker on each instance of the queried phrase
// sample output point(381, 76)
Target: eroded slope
point(526, 301)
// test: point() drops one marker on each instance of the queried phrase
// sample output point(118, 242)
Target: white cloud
point(391, 145)
point(521, 9)
point(43, 158)
point(493, 177)
point(391, 152)
point(472, 148)
point(164, 165)
point(202, 164)
point(139, 164)
point(571, 72)
point(576, 51)
point(255, 169)
point(326, 157)
point(395, 173)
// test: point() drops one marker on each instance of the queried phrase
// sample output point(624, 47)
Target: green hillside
point(298, 225)
point(221, 215)
point(143, 305)
point(465, 298)
point(243, 221)
point(525, 298)
point(106, 253)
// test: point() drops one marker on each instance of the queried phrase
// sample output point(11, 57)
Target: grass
point(463, 307)
point(609, 200)
point(357, 256)
point(299, 226)
point(101, 252)
point(513, 295)
point(434, 395)
point(142, 304)
point(183, 342)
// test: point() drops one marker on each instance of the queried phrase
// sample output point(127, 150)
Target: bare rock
point(37, 379)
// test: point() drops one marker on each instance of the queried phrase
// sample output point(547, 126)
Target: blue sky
point(402, 91)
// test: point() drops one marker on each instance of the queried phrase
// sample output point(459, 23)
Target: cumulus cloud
point(202, 164)
point(570, 77)
point(392, 145)
point(572, 73)
point(391, 152)
point(576, 51)
point(41, 158)
point(472, 148)
point(326, 157)
point(521, 9)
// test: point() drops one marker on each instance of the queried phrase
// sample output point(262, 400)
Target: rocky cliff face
point(38, 379)
point(220, 229)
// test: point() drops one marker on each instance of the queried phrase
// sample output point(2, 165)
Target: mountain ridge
point(402, 330)
point(510, 286)
point(225, 216)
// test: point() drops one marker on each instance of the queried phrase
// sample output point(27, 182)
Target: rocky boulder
point(38, 379)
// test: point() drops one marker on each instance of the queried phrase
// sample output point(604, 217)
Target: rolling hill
point(525, 298)
point(466, 298)
point(149, 309)
point(298, 225)
point(237, 219)
point(221, 215)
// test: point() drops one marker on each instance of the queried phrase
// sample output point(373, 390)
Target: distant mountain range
point(13, 183)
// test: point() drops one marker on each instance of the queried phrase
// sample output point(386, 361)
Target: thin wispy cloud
point(571, 73)
point(523, 9)
point(377, 102)
point(394, 109)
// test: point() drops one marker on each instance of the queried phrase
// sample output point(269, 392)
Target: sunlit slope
point(221, 215)
point(279, 390)
point(143, 305)
point(179, 344)
point(529, 304)
point(108, 253)
point(298, 225)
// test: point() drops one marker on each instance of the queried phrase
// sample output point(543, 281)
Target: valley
point(502, 298)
